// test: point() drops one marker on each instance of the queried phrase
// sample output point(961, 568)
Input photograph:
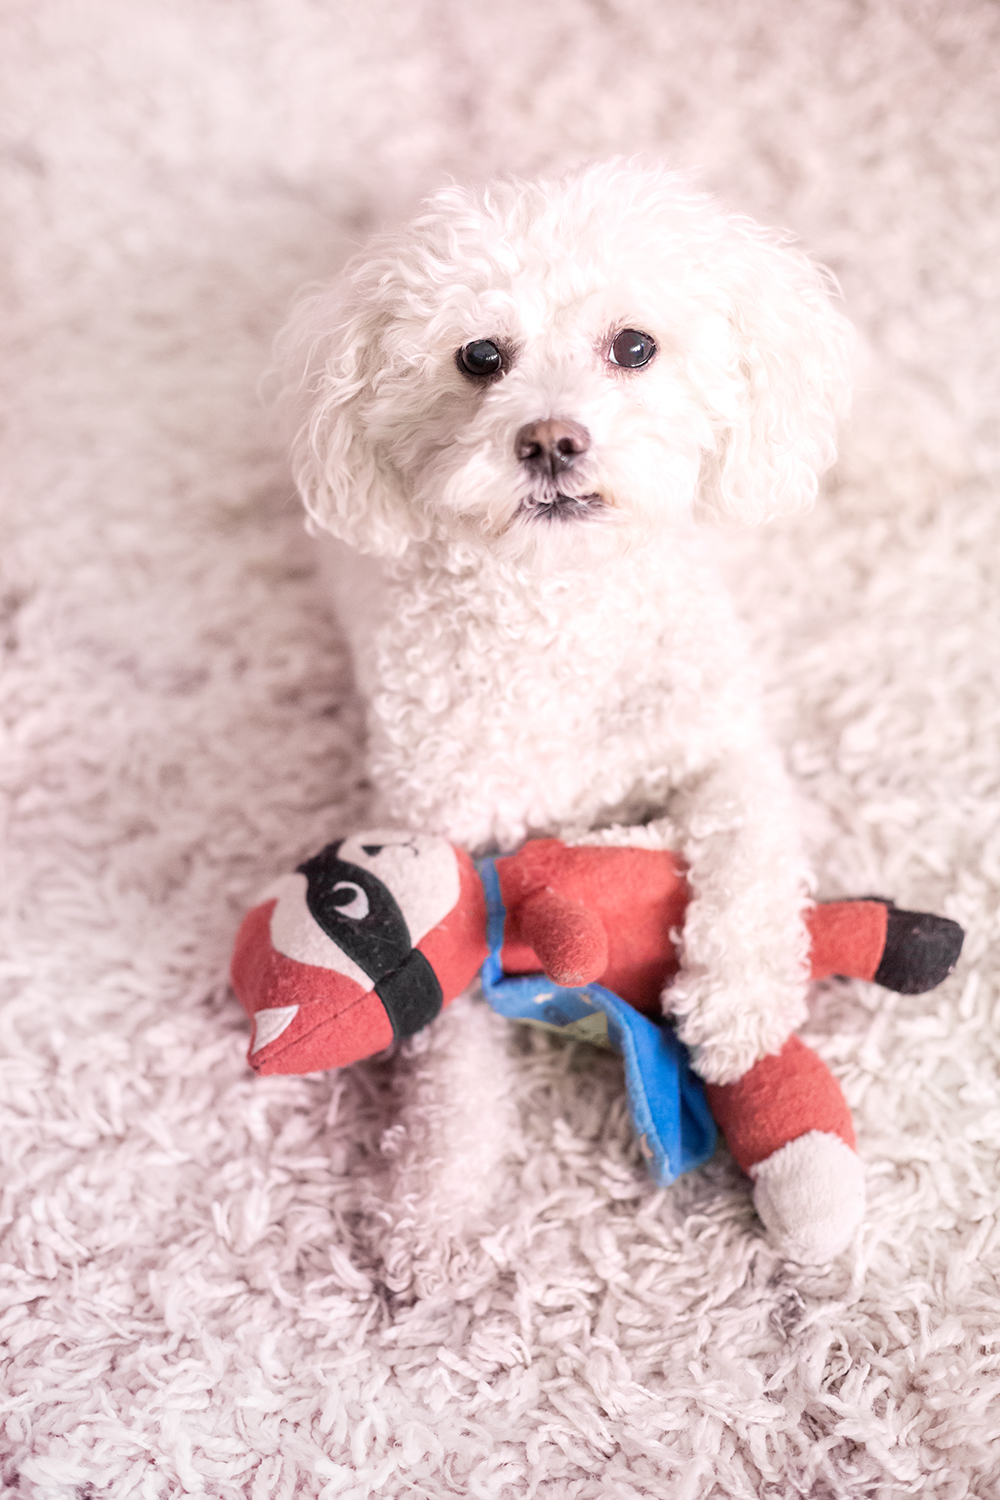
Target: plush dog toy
point(367, 941)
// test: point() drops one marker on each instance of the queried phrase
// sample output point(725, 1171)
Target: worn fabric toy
point(367, 940)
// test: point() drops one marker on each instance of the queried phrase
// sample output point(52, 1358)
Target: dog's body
point(560, 704)
point(538, 630)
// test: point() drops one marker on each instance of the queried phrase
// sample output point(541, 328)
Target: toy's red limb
point(568, 939)
point(639, 895)
point(778, 1100)
point(848, 938)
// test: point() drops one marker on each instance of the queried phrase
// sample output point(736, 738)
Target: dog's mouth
point(560, 507)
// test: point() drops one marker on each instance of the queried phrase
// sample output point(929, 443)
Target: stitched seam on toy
point(304, 1036)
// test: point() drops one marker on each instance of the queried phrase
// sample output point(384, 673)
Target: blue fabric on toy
point(667, 1102)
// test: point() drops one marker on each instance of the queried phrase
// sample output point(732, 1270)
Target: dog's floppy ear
point(776, 424)
point(329, 359)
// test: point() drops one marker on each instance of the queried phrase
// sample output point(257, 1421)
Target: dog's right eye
point(481, 359)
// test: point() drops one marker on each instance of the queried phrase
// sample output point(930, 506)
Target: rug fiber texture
point(190, 1298)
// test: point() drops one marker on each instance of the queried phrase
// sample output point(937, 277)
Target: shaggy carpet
point(190, 1303)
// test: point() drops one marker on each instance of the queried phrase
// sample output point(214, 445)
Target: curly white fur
point(528, 674)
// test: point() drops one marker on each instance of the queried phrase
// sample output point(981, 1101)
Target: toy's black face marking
point(359, 914)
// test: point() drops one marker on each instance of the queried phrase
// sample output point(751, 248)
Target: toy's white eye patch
point(296, 933)
point(419, 871)
point(350, 900)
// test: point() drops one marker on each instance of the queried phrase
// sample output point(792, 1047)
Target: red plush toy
point(366, 942)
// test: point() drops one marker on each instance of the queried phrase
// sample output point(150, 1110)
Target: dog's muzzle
point(549, 450)
point(560, 507)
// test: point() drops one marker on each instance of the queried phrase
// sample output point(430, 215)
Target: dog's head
point(590, 356)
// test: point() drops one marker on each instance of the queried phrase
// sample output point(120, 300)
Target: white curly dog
point(515, 415)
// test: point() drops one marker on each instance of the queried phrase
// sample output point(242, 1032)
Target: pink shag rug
point(190, 1303)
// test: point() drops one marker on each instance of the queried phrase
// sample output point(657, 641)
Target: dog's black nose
point(552, 446)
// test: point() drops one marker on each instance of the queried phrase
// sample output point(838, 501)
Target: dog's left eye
point(481, 359)
point(631, 349)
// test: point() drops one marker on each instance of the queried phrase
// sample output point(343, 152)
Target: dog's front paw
point(810, 1196)
point(728, 1024)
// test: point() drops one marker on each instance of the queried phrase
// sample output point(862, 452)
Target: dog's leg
point(744, 952)
point(453, 1082)
point(447, 1150)
point(741, 993)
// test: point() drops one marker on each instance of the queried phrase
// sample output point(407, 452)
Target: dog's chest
point(501, 707)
